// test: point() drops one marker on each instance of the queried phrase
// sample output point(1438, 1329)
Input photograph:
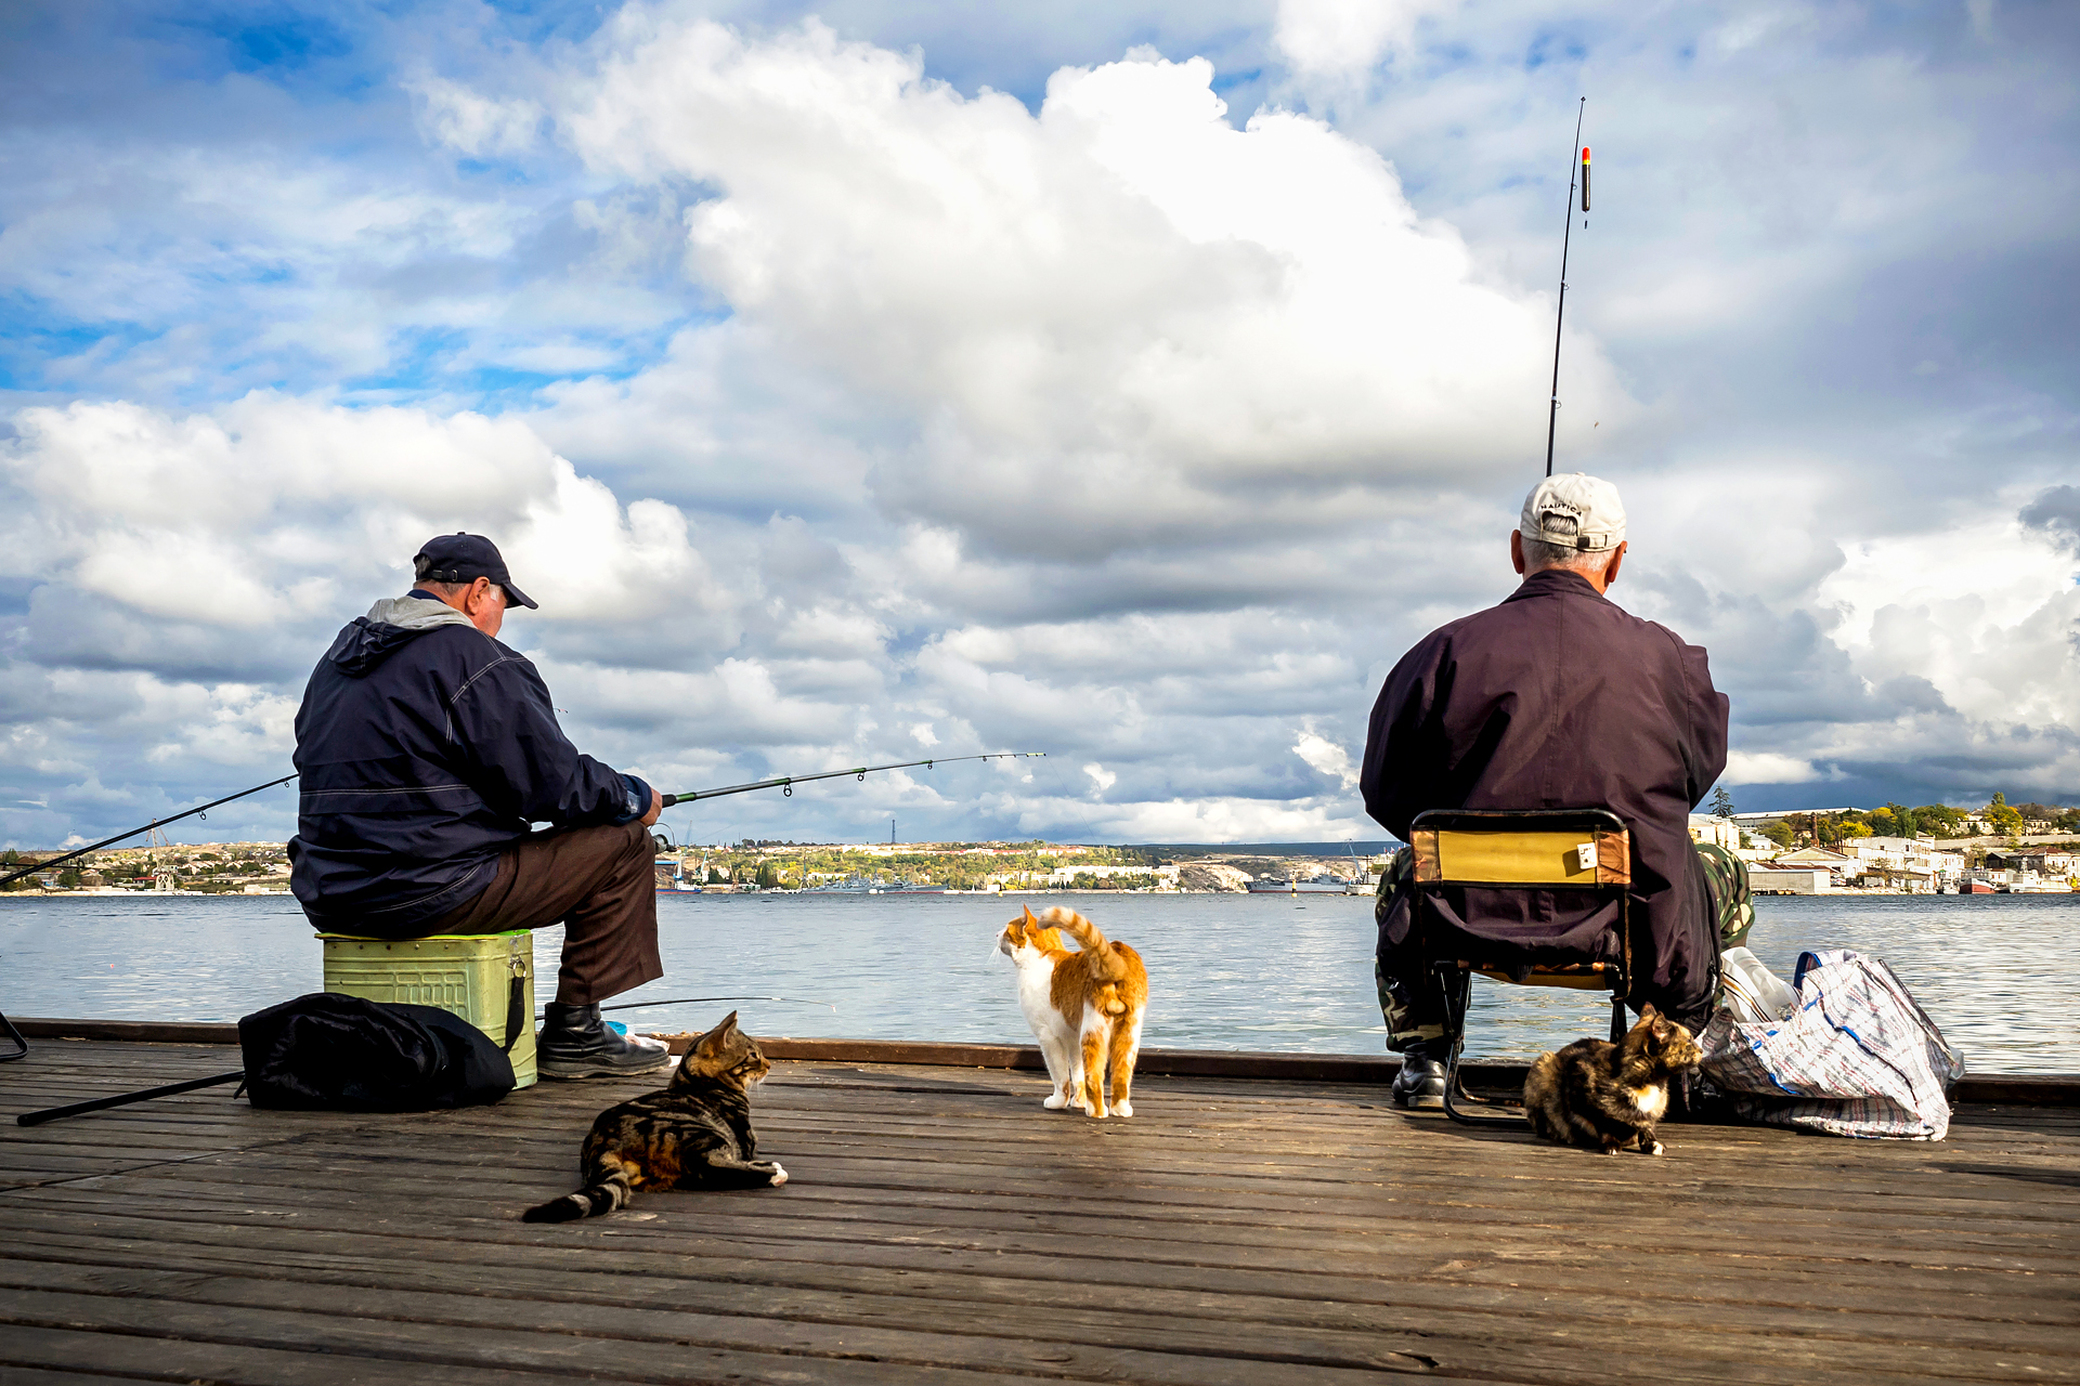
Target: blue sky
point(1133, 382)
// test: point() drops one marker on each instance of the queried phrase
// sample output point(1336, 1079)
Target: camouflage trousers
point(1411, 1004)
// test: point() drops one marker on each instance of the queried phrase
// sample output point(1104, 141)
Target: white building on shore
point(1910, 864)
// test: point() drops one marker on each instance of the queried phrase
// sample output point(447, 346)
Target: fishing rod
point(785, 783)
point(200, 810)
point(1553, 414)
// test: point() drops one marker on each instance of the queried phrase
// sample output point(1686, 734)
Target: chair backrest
point(1532, 848)
point(1468, 852)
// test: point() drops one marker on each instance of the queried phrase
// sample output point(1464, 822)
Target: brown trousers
point(596, 882)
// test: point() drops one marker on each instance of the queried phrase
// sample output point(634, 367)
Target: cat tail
point(610, 1193)
point(1105, 964)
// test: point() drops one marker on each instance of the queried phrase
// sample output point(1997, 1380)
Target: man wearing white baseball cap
point(1556, 698)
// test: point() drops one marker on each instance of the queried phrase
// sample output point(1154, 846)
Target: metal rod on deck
point(125, 1099)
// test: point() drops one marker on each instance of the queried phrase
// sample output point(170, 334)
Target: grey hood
point(389, 626)
point(416, 614)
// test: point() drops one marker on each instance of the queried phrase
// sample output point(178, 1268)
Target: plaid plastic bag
point(1857, 1058)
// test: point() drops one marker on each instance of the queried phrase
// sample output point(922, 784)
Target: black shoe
point(1420, 1082)
point(576, 1043)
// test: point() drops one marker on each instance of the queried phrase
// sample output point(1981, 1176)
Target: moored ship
point(676, 883)
point(1310, 885)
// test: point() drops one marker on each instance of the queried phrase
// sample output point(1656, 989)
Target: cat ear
point(1648, 1012)
point(1029, 920)
point(712, 1041)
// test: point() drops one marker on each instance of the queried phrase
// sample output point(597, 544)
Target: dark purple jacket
point(1559, 699)
point(426, 749)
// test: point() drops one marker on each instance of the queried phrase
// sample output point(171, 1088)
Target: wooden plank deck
point(941, 1227)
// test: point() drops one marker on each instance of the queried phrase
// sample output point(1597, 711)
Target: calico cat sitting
point(1609, 1097)
point(693, 1133)
point(1085, 1007)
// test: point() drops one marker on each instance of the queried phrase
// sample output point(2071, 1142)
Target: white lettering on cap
point(1590, 503)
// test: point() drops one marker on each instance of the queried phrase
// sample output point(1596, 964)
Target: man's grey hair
point(1539, 554)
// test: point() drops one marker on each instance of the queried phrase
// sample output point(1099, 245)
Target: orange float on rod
point(1585, 177)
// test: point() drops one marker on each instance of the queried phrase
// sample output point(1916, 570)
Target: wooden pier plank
point(942, 1227)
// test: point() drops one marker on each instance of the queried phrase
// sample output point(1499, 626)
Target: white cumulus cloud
point(270, 509)
point(1328, 757)
point(1120, 312)
point(1343, 37)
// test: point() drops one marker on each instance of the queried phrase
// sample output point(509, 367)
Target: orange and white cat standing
point(1085, 1007)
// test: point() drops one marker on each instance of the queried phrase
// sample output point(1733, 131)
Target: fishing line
point(689, 1000)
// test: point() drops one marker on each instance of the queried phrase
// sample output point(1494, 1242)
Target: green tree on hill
point(1940, 820)
point(1722, 802)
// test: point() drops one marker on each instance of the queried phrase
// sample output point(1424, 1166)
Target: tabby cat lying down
point(693, 1133)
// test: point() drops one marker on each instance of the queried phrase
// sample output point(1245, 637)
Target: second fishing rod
point(1560, 314)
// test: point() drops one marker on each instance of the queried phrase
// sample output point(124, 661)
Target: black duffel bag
point(332, 1050)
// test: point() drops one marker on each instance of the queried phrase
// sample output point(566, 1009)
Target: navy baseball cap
point(462, 557)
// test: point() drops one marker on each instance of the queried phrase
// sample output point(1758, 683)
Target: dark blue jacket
point(426, 748)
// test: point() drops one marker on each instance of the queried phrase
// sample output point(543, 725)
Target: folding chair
point(1538, 898)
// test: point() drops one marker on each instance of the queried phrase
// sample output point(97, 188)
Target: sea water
point(1265, 972)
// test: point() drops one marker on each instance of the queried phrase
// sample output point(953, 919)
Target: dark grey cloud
point(2056, 511)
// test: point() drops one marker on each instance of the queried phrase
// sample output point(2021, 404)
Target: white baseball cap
point(1590, 501)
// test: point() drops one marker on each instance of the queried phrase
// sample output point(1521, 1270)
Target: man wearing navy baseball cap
point(427, 751)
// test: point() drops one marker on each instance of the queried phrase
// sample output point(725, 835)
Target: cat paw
point(1054, 1102)
point(779, 1176)
point(1656, 1148)
point(1125, 1109)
